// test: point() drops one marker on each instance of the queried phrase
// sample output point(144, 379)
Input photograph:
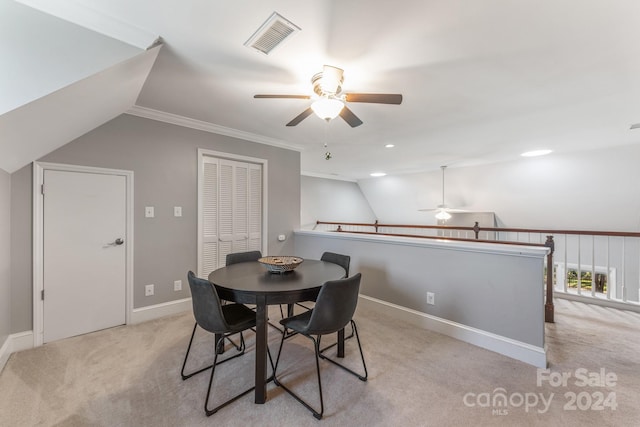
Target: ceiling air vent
point(270, 34)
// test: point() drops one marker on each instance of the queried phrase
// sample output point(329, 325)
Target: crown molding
point(161, 116)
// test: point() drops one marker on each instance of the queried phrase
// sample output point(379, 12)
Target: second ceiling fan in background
point(330, 101)
point(443, 211)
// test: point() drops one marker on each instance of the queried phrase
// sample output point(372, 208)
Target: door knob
point(118, 242)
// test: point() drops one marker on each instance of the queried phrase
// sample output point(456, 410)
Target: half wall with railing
point(449, 286)
point(601, 267)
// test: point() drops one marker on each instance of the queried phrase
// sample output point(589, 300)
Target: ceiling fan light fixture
point(327, 108)
point(443, 215)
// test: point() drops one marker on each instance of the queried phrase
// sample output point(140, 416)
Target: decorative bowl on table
point(280, 264)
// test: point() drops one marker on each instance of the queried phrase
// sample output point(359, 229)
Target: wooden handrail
point(496, 229)
point(458, 239)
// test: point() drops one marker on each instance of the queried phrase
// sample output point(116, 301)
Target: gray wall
point(332, 200)
point(589, 190)
point(163, 158)
point(494, 292)
point(21, 251)
point(5, 256)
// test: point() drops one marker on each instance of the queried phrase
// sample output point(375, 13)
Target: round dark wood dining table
point(251, 283)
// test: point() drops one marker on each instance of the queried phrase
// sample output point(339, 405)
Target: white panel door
point(84, 262)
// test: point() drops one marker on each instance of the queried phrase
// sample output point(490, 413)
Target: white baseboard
point(536, 356)
point(518, 350)
point(5, 352)
point(15, 342)
point(24, 340)
point(157, 311)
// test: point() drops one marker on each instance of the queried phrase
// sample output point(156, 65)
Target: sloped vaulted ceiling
point(60, 80)
point(482, 81)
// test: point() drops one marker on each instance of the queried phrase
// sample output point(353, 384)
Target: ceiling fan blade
point(300, 117)
point(375, 98)
point(283, 96)
point(349, 117)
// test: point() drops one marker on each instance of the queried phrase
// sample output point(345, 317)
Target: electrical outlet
point(148, 290)
point(431, 298)
point(177, 285)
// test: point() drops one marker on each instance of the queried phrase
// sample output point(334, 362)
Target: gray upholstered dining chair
point(238, 257)
point(334, 258)
point(224, 320)
point(343, 261)
point(334, 309)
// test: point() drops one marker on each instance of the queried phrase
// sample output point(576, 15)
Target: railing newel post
point(548, 306)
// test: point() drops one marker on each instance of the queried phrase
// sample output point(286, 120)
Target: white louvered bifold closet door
point(255, 207)
point(232, 210)
point(209, 215)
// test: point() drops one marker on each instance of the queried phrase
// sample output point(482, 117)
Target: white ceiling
point(482, 80)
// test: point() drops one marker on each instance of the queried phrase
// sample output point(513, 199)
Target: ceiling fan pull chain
point(327, 154)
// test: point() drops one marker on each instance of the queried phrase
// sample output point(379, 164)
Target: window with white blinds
point(230, 210)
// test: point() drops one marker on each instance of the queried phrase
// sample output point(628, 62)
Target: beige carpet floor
point(130, 376)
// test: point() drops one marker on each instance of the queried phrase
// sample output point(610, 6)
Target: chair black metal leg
point(317, 351)
point(364, 365)
point(237, 346)
point(351, 335)
point(304, 306)
point(208, 411)
point(241, 348)
point(184, 377)
point(218, 343)
point(316, 345)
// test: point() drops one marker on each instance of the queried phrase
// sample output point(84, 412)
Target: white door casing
point(86, 276)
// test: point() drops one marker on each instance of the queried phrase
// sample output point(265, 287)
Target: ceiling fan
point(329, 100)
point(443, 211)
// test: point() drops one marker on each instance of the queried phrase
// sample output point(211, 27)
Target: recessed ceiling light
point(389, 146)
point(535, 153)
point(377, 174)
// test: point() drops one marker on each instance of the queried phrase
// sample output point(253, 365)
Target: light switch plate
point(149, 212)
point(177, 211)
